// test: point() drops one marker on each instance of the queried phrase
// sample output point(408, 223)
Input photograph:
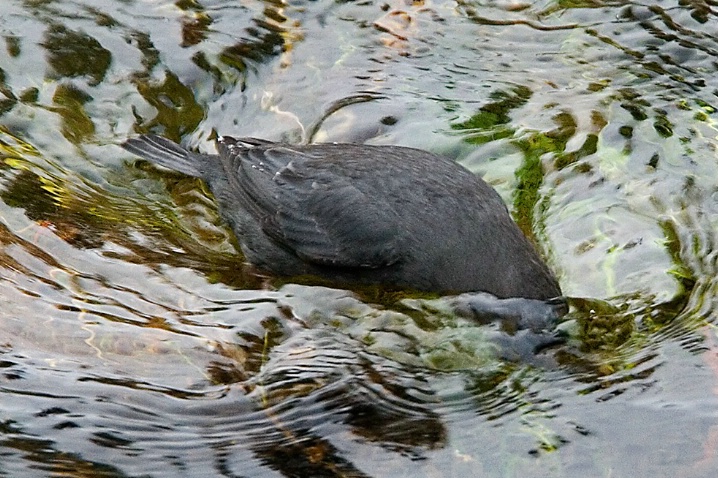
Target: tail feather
point(163, 152)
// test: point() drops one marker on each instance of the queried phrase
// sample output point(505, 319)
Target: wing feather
point(305, 206)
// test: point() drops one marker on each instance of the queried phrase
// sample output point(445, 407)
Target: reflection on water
point(135, 342)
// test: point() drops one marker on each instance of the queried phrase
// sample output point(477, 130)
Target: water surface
point(133, 342)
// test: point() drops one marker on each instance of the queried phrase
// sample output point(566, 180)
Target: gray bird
point(354, 213)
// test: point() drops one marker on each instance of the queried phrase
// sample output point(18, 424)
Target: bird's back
point(360, 213)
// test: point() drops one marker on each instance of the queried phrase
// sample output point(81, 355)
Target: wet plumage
point(366, 214)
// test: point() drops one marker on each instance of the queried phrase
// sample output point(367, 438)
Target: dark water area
point(134, 341)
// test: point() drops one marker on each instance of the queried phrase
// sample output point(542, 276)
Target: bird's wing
point(306, 207)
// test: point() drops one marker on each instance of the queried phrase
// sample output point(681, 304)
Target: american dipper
point(355, 213)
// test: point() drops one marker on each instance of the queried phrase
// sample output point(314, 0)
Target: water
point(133, 342)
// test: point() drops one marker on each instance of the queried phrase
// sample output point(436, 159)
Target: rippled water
point(134, 343)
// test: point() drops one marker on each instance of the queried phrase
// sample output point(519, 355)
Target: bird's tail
point(163, 152)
